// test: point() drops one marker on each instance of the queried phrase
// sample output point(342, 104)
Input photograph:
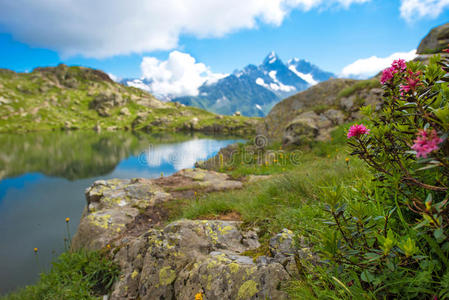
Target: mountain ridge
point(252, 90)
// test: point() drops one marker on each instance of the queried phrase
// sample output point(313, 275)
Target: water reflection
point(43, 177)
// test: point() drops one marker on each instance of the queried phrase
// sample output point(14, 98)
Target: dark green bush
point(388, 238)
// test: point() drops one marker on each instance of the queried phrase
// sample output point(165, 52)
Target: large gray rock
point(111, 206)
point(190, 257)
point(310, 126)
point(103, 102)
point(185, 257)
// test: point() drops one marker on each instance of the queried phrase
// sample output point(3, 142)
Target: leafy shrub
point(389, 238)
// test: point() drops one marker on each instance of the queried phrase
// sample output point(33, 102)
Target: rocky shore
point(184, 258)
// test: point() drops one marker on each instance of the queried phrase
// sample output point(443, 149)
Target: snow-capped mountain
point(253, 90)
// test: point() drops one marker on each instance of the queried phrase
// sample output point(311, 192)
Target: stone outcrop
point(115, 207)
point(314, 113)
point(190, 257)
point(435, 41)
point(185, 257)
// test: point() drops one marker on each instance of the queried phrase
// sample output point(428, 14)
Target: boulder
point(188, 257)
point(103, 102)
point(4, 101)
point(125, 111)
point(335, 116)
point(210, 180)
point(111, 206)
point(185, 257)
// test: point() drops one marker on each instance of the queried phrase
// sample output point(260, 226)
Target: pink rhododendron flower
point(387, 75)
point(398, 66)
point(426, 142)
point(413, 81)
point(357, 130)
point(404, 88)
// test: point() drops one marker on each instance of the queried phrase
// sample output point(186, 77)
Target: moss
point(134, 274)
point(263, 250)
point(247, 290)
point(99, 220)
point(234, 267)
point(166, 276)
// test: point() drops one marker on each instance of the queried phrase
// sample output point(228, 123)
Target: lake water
point(43, 177)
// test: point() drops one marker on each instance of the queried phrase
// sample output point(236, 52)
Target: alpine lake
point(43, 177)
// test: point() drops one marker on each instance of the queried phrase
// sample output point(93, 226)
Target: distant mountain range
point(254, 90)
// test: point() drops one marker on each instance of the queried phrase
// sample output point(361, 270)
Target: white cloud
point(102, 28)
point(179, 75)
point(367, 67)
point(113, 77)
point(412, 9)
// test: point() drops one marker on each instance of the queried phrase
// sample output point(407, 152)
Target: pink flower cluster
point(426, 142)
point(388, 74)
point(413, 81)
point(357, 130)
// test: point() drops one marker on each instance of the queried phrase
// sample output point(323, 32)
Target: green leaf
point(367, 276)
point(439, 235)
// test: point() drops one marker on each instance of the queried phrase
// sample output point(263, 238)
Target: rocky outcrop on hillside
point(187, 257)
point(314, 113)
point(435, 41)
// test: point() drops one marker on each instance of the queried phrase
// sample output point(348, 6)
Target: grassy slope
point(48, 98)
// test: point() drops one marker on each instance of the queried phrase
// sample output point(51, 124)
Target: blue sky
point(331, 37)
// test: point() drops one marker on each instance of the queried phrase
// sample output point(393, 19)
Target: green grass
point(291, 197)
point(361, 85)
point(74, 275)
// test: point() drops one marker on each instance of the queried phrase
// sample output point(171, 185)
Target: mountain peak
point(271, 58)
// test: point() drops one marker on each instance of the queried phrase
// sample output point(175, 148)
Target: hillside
point(314, 113)
point(69, 98)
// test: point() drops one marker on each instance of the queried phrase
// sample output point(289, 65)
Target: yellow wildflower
point(199, 296)
point(67, 220)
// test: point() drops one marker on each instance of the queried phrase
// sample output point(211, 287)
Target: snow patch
point(306, 77)
point(279, 86)
point(261, 82)
point(272, 57)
